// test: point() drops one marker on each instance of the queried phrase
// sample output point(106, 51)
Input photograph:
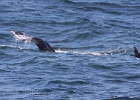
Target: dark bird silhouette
point(137, 54)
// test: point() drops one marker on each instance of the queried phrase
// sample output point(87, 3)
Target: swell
point(123, 98)
point(92, 6)
point(121, 8)
point(68, 83)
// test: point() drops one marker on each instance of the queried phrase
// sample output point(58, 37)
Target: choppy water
point(93, 40)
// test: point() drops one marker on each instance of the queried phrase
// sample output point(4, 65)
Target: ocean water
point(93, 40)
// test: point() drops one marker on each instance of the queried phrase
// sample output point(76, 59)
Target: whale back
point(42, 45)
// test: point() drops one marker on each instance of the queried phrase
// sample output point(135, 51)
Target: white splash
point(7, 46)
point(79, 52)
point(61, 51)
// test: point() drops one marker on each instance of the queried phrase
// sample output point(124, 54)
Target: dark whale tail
point(42, 45)
point(137, 54)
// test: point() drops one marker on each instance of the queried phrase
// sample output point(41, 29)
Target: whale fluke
point(20, 36)
point(42, 45)
point(17, 33)
point(137, 54)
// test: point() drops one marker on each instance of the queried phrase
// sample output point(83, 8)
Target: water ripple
point(93, 41)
